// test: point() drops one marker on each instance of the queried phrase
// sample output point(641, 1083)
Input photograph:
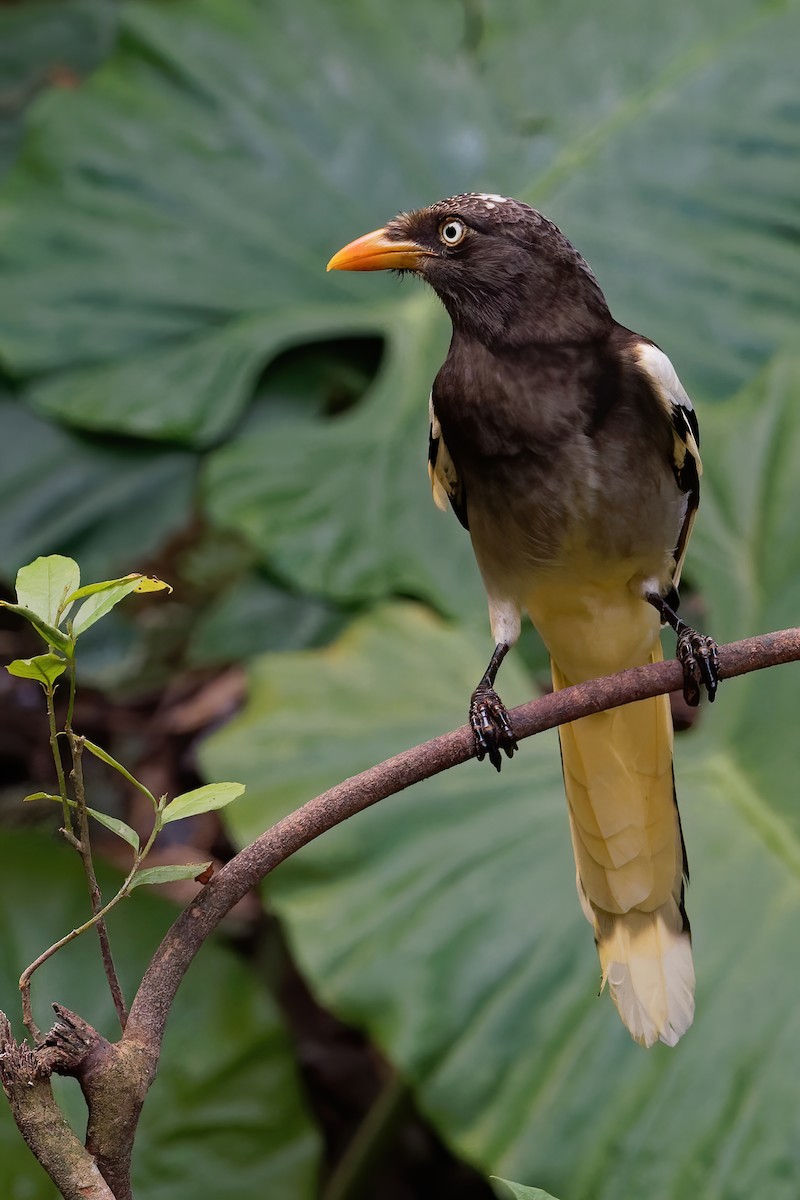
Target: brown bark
point(25, 1076)
point(115, 1078)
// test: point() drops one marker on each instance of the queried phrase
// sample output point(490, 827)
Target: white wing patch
point(441, 468)
point(674, 399)
point(679, 411)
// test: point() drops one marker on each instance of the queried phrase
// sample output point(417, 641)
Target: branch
point(156, 993)
point(98, 917)
point(76, 745)
point(26, 1083)
point(115, 1080)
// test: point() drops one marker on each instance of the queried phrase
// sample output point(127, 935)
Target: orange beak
point(377, 252)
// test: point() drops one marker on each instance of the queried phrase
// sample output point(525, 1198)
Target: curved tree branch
point(153, 1000)
point(115, 1078)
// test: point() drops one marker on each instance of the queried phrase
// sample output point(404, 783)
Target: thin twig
point(95, 895)
point(27, 974)
point(69, 832)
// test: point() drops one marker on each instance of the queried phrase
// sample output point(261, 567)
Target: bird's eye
point(452, 231)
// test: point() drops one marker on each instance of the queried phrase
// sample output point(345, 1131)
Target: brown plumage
point(568, 448)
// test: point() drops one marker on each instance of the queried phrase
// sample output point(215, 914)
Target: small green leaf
point(51, 635)
point(519, 1191)
point(105, 757)
point(146, 583)
point(102, 597)
point(101, 602)
point(168, 874)
point(202, 799)
point(116, 826)
point(44, 668)
point(44, 586)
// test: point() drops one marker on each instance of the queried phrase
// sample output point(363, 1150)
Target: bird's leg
point(696, 653)
point(488, 717)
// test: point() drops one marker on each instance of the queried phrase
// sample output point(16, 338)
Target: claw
point(697, 655)
point(491, 727)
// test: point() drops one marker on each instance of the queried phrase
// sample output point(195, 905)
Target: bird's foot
point(697, 654)
point(491, 726)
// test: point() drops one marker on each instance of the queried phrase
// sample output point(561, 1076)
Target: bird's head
point(505, 274)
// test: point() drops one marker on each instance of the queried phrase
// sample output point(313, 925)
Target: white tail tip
point(648, 965)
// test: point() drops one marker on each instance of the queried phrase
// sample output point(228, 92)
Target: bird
point(568, 449)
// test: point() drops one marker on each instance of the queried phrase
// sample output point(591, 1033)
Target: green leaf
point(92, 589)
point(44, 668)
point(102, 323)
point(203, 799)
point(49, 632)
point(89, 499)
point(102, 597)
point(47, 43)
point(113, 823)
point(153, 875)
point(254, 616)
point(105, 757)
point(745, 557)
point(444, 921)
point(45, 585)
point(226, 1103)
point(518, 1190)
point(116, 826)
point(348, 519)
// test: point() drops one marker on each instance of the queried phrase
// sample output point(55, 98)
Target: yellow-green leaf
point(44, 668)
point(44, 586)
point(152, 875)
point(105, 757)
point(52, 635)
point(146, 583)
point(116, 826)
point(150, 583)
point(203, 799)
point(101, 598)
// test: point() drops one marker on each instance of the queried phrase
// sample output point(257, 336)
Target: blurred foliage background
point(183, 390)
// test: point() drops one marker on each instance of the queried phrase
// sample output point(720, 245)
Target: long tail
point(630, 860)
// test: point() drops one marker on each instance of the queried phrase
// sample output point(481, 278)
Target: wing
point(445, 483)
point(686, 464)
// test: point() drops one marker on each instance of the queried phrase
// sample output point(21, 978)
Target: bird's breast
point(565, 468)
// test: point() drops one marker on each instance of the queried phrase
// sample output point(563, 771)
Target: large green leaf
point(47, 42)
point(344, 507)
point(225, 1103)
point(745, 555)
point(167, 228)
point(445, 920)
point(109, 505)
point(505, 1188)
point(253, 616)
